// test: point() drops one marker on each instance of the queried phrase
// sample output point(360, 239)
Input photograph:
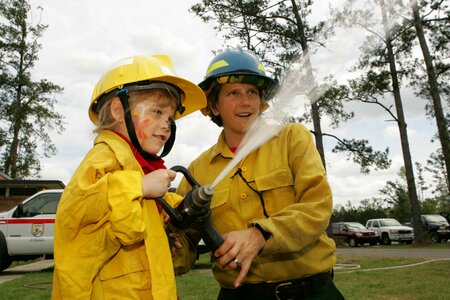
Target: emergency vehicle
point(26, 231)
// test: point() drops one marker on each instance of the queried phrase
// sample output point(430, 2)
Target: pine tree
point(26, 106)
point(279, 34)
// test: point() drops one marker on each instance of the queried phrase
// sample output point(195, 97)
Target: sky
point(85, 37)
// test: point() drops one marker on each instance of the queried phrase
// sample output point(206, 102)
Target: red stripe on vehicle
point(29, 221)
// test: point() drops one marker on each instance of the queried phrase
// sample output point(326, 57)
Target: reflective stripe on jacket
point(109, 242)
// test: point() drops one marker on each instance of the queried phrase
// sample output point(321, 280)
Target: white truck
point(391, 230)
point(27, 230)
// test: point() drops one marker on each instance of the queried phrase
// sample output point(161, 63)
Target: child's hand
point(156, 183)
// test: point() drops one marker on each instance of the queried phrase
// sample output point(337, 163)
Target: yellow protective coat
point(289, 173)
point(109, 242)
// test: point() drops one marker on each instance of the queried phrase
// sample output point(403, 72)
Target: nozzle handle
point(186, 174)
point(212, 238)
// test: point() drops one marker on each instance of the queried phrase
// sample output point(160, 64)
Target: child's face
point(152, 113)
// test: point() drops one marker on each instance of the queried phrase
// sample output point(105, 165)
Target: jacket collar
point(121, 149)
point(221, 148)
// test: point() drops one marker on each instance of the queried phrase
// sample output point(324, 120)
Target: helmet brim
point(194, 98)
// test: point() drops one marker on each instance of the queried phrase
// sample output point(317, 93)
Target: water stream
point(304, 83)
point(290, 99)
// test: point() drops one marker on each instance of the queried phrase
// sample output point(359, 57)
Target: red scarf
point(146, 165)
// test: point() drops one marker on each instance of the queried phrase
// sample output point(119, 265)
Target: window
point(42, 204)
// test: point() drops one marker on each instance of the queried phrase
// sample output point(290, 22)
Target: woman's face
point(152, 113)
point(238, 104)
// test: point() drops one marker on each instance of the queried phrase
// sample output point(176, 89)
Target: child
point(110, 243)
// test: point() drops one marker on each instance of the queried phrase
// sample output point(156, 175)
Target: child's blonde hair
point(105, 119)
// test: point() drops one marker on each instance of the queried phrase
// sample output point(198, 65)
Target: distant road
point(406, 253)
point(16, 272)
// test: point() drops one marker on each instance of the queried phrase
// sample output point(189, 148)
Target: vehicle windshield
point(435, 218)
point(390, 222)
point(355, 226)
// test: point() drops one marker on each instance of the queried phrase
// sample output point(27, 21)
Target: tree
point(278, 33)
point(421, 183)
point(396, 195)
point(436, 167)
point(441, 46)
point(369, 209)
point(389, 42)
point(27, 106)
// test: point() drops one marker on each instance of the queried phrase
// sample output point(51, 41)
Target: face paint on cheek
point(140, 124)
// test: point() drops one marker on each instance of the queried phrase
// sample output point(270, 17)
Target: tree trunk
point(434, 90)
point(14, 151)
point(409, 171)
point(315, 114)
point(318, 131)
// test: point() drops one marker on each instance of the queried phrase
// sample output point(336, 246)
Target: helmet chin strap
point(124, 96)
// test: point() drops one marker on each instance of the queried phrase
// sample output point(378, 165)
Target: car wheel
point(435, 237)
point(352, 242)
point(5, 259)
point(385, 240)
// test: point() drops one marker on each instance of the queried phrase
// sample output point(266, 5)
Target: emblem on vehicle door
point(37, 230)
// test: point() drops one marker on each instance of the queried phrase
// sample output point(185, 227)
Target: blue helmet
point(237, 65)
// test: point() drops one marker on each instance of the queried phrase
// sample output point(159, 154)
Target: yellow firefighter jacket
point(109, 242)
point(289, 173)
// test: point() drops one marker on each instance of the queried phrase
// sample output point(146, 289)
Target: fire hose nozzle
point(205, 194)
point(194, 210)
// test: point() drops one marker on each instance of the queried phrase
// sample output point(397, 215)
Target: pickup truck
point(437, 226)
point(26, 231)
point(391, 230)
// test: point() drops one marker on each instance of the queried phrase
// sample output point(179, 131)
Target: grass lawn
point(370, 281)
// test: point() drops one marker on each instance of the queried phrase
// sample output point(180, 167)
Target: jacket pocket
point(129, 259)
point(277, 189)
point(220, 198)
point(276, 179)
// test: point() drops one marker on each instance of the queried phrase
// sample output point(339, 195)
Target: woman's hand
point(238, 251)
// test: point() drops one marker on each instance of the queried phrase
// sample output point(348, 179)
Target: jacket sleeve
point(103, 200)
point(124, 198)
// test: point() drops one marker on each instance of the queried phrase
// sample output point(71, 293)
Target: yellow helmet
point(152, 68)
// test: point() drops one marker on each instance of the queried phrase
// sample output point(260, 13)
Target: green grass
point(426, 281)
point(33, 286)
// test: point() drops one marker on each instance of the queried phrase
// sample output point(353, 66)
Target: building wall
point(6, 203)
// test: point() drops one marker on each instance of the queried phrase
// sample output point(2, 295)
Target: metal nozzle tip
point(208, 189)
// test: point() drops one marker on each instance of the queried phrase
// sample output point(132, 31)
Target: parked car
point(437, 226)
point(27, 230)
point(391, 230)
point(446, 215)
point(354, 234)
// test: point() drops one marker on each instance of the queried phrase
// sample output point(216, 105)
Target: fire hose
point(194, 211)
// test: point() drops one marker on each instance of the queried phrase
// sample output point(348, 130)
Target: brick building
point(12, 191)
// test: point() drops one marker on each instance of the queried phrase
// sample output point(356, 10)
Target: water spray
point(305, 82)
point(297, 89)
